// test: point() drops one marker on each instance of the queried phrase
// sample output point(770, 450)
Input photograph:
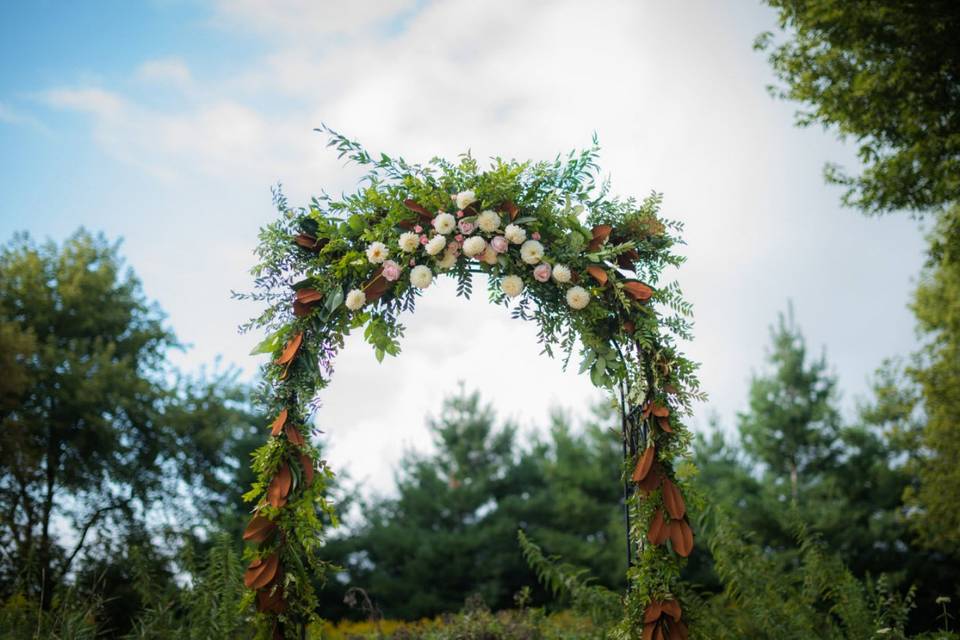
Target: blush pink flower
point(536, 235)
point(391, 270)
point(466, 226)
point(499, 244)
point(413, 261)
point(458, 237)
point(418, 229)
point(460, 214)
point(424, 239)
point(542, 272)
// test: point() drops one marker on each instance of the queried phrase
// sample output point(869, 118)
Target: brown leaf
point(652, 612)
point(660, 411)
point(652, 481)
point(377, 286)
point(647, 408)
point(638, 290)
point(659, 530)
point(290, 351)
point(679, 631)
point(308, 296)
point(294, 435)
point(665, 424)
point(301, 310)
point(681, 536)
point(600, 234)
point(629, 326)
point(511, 209)
point(279, 487)
point(277, 425)
point(658, 632)
point(598, 274)
point(261, 572)
point(414, 206)
point(271, 600)
point(307, 463)
point(307, 241)
point(259, 529)
point(627, 260)
point(671, 608)
point(648, 630)
point(673, 500)
point(643, 464)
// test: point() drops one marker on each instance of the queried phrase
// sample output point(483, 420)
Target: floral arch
point(585, 265)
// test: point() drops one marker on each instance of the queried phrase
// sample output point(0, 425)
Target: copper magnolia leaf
point(308, 296)
point(307, 463)
point(413, 205)
point(294, 435)
point(681, 536)
point(627, 260)
point(679, 631)
point(658, 632)
point(673, 500)
point(259, 529)
point(377, 286)
point(290, 351)
point(652, 481)
point(647, 408)
point(652, 612)
point(277, 425)
point(259, 576)
point(671, 608)
point(309, 242)
point(301, 310)
point(643, 464)
point(511, 209)
point(638, 290)
point(280, 487)
point(665, 424)
point(629, 326)
point(600, 234)
point(659, 529)
point(660, 411)
point(648, 629)
point(271, 601)
point(598, 274)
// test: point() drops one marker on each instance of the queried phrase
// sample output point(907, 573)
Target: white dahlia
point(464, 199)
point(577, 297)
point(436, 245)
point(488, 221)
point(421, 276)
point(448, 260)
point(531, 251)
point(409, 241)
point(561, 273)
point(444, 223)
point(474, 246)
point(489, 255)
point(515, 233)
point(512, 286)
point(377, 252)
point(356, 299)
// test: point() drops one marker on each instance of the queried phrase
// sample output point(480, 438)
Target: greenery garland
point(560, 251)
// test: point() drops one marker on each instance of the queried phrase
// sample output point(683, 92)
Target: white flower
point(421, 276)
point(377, 252)
point(436, 245)
point(512, 286)
point(474, 246)
point(448, 260)
point(531, 251)
point(561, 273)
point(489, 255)
point(488, 221)
point(409, 241)
point(444, 223)
point(515, 233)
point(577, 297)
point(465, 199)
point(356, 299)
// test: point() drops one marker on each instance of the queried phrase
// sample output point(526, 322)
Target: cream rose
point(444, 223)
point(474, 246)
point(448, 260)
point(531, 251)
point(515, 233)
point(512, 286)
point(464, 199)
point(435, 245)
point(489, 255)
point(488, 221)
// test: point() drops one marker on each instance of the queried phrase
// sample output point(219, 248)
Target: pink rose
point(391, 270)
point(466, 226)
point(413, 261)
point(459, 237)
point(418, 229)
point(454, 248)
point(499, 244)
point(536, 235)
point(424, 239)
point(460, 214)
point(542, 272)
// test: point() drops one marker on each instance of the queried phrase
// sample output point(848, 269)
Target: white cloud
point(677, 98)
point(172, 71)
point(12, 116)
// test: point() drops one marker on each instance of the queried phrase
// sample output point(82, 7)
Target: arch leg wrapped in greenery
point(557, 247)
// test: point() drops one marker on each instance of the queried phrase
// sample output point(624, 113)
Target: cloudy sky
point(166, 122)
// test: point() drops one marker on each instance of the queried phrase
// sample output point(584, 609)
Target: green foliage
point(883, 73)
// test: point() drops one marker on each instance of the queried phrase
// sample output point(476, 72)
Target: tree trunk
point(793, 482)
point(46, 559)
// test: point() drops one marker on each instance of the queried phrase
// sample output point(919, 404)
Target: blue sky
point(166, 122)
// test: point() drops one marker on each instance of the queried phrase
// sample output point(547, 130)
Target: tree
point(792, 425)
point(94, 432)
point(884, 73)
point(451, 530)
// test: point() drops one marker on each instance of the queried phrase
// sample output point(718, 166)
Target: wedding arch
point(561, 251)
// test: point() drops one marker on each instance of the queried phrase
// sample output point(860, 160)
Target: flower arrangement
point(557, 248)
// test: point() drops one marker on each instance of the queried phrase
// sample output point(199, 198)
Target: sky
point(166, 122)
